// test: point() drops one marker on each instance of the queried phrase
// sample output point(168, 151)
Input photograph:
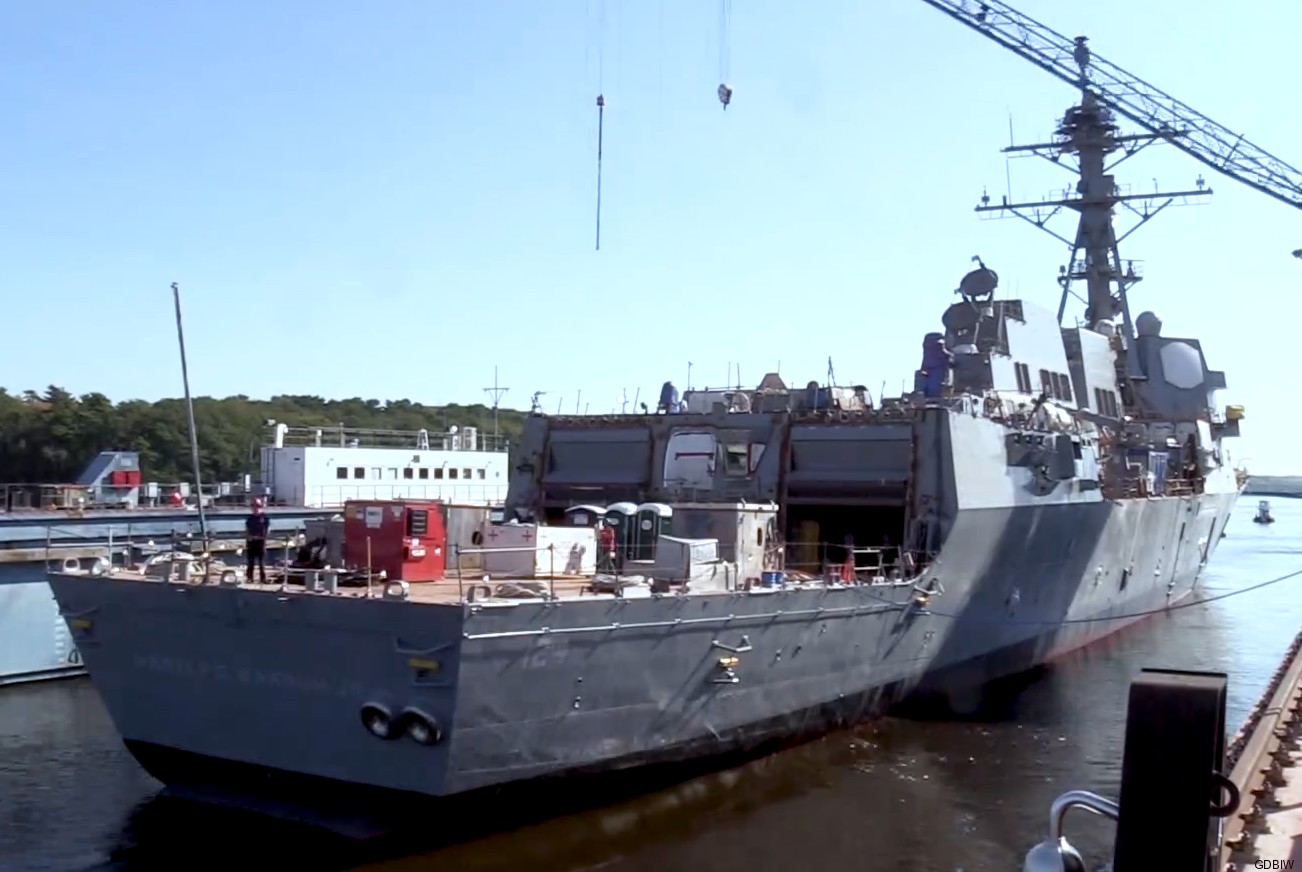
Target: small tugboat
point(1263, 515)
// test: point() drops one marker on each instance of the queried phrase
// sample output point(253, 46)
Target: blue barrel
point(771, 578)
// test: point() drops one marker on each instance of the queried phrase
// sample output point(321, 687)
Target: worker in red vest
point(848, 566)
point(606, 545)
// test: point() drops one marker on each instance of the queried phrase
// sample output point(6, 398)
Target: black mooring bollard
point(1172, 780)
point(1174, 791)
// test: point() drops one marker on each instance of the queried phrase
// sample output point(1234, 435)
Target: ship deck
point(502, 589)
point(445, 592)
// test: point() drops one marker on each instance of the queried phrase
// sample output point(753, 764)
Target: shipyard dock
point(1263, 758)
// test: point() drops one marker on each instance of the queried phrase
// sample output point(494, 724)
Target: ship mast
point(1089, 133)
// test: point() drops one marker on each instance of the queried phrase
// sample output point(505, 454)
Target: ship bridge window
point(359, 472)
point(1046, 383)
point(341, 472)
point(735, 449)
point(424, 472)
point(736, 459)
point(465, 473)
point(452, 473)
point(1060, 386)
point(393, 472)
point(1105, 403)
point(375, 473)
point(1023, 374)
point(438, 472)
point(408, 472)
point(482, 474)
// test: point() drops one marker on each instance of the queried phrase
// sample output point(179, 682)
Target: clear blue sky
point(388, 199)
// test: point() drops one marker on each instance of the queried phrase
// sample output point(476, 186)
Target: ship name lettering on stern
point(1272, 864)
point(204, 670)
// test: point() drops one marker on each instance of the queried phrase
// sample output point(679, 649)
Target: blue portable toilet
point(583, 516)
point(622, 517)
point(653, 521)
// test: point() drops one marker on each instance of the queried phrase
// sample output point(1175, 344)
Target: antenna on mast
point(495, 394)
point(1089, 132)
point(189, 413)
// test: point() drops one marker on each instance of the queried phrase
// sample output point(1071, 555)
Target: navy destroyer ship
point(780, 561)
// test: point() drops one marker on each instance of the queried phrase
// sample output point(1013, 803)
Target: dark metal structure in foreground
point(1173, 790)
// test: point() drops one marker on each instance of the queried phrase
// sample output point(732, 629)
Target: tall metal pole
point(189, 412)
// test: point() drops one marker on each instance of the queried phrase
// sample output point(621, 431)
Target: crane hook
point(725, 96)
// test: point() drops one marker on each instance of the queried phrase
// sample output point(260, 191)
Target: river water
point(894, 795)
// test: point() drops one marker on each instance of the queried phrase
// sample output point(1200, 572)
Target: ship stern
point(258, 698)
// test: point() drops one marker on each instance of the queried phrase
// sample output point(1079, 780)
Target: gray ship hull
point(206, 684)
point(34, 641)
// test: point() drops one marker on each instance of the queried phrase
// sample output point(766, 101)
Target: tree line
point(50, 437)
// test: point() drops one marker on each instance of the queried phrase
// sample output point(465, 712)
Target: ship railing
point(1139, 487)
point(887, 564)
point(334, 496)
point(70, 548)
point(31, 496)
point(883, 563)
point(481, 551)
point(73, 499)
point(118, 547)
point(432, 440)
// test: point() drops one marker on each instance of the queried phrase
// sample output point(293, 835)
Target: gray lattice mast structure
point(1089, 133)
point(495, 395)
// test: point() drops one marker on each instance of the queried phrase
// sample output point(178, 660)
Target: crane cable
point(725, 20)
point(601, 103)
point(1003, 620)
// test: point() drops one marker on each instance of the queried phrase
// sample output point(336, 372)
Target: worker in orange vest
point(847, 567)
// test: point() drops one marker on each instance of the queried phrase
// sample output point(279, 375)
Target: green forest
point(50, 437)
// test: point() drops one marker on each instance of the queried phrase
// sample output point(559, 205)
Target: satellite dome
point(1148, 324)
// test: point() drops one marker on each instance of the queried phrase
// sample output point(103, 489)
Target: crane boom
point(1188, 130)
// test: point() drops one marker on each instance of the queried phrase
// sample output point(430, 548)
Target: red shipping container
point(407, 538)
